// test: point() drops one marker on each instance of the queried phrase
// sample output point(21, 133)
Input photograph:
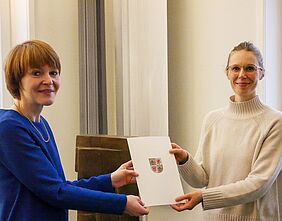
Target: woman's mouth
point(47, 91)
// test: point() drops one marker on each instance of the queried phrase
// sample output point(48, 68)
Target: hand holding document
point(158, 181)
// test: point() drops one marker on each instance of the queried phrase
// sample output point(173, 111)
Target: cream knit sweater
point(239, 162)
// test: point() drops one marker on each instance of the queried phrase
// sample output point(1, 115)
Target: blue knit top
point(32, 180)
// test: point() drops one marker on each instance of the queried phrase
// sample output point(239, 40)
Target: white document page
point(158, 181)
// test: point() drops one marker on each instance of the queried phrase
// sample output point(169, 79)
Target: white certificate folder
point(158, 181)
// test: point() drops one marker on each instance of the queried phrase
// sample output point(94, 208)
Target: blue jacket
point(32, 180)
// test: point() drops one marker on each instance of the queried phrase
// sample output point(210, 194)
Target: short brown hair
point(29, 54)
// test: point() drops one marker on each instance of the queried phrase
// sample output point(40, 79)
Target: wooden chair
point(97, 155)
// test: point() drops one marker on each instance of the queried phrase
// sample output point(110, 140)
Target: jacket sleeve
point(24, 158)
point(99, 183)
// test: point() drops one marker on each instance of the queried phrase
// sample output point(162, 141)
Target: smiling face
point(244, 73)
point(25, 58)
point(39, 86)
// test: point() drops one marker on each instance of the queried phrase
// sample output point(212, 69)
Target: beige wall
point(201, 34)
point(59, 26)
point(110, 67)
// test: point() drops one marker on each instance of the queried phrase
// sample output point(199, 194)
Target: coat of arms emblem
point(156, 165)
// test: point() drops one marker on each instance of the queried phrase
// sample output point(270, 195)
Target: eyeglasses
point(251, 68)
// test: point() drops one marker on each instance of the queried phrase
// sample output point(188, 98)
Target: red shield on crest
point(156, 165)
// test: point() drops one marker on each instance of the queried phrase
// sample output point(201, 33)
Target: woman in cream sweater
point(239, 158)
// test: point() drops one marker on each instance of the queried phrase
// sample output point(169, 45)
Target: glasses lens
point(248, 69)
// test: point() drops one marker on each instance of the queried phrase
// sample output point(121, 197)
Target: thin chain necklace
point(38, 131)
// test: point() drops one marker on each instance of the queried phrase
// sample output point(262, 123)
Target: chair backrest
point(100, 154)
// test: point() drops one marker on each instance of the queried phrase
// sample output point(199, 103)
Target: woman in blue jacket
point(33, 184)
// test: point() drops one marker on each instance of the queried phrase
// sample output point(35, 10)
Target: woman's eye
point(236, 69)
point(250, 69)
point(36, 73)
point(54, 73)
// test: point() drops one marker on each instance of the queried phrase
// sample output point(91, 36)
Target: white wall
point(19, 24)
point(273, 52)
point(5, 38)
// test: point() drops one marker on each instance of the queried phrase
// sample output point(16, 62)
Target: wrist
point(184, 160)
point(113, 180)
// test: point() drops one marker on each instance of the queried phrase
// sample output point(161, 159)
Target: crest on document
point(156, 165)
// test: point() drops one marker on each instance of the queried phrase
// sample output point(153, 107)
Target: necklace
point(41, 121)
point(38, 131)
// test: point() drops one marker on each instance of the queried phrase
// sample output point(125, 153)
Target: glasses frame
point(256, 68)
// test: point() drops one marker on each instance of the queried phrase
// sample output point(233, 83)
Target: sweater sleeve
point(24, 158)
point(193, 173)
point(264, 172)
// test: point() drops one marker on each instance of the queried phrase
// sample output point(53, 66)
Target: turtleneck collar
point(245, 109)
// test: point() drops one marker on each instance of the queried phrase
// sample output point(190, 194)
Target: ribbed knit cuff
point(212, 199)
point(193, 173)
point(188, 168)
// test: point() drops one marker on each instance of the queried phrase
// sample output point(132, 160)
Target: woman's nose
point(242, 73)
point(47, 79)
